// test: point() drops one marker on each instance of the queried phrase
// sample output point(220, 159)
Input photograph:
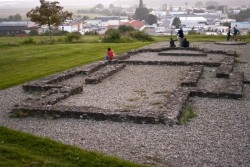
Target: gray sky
point(89, 3)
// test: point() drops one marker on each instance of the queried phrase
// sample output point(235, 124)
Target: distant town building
point(14, 28)
point(139, 25)
point(192, 21)
point(71, 27)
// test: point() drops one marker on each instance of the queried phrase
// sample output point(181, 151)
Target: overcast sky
point(88, 3)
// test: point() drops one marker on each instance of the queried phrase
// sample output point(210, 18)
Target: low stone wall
point(173, 63)
point(53, 96)
point(206, 51)
point(88, 112)
point(232, 88)
point(105, 72)
point(51, 81)
point(44, 105)
point(182, 54)
point(192, 76)
point(226, 67)
point(176, 104)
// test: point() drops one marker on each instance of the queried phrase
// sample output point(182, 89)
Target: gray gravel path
point(219, 136)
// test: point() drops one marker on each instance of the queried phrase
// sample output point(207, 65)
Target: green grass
point(21, 149)
point(20, 62)
point(23, 63)
point(187, 115)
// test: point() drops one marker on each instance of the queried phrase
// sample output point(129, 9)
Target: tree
point(49, 13)
point(99, 6)
point(164, 7)
point(125, 28)
point(212, 3)
point(112, 35)
point(33, 33)
point(17, 17)
point(242, 16)
point(176, 22)
point(141, 13)
point(198, 4)
point(151, 19)
point(211, 8)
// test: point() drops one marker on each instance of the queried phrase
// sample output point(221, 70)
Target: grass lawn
point(21, 149)
point(22, 63)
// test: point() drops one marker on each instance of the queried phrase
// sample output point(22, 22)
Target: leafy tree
point(198, 11)
point(228, 24)
point(212, 3)
point(242, 16)
point(125, 28)
point(74, 36)
point(111, 6)
point(33, 33)
point(99, 6)
point(171, 8)
point(211, 7)
point(141, 13)
point(198, 4)
point(48, 13)
point(11, 18)
point(151, 19)
point(176, 22)
point(112, 35)
point(85, 17)
point(140, 36)
point(164, 7)
point(17, 17)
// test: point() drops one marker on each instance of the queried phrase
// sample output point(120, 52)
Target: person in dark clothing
point(172, 44)
point(236, 32)
point(229, 33)
point(180, 36)
point(185, 43)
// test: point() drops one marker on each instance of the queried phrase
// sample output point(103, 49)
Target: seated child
point(172, 44)
point(110, 54)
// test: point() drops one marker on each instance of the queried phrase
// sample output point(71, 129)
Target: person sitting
point(185, 43)
point(110, 54)
point(172, 44)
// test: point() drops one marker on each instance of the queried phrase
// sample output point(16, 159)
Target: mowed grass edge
point(22, 149)
point(24, 63)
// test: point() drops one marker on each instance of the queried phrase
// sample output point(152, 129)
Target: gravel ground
point(151, 56)
point(219, 136)
point(123, 91)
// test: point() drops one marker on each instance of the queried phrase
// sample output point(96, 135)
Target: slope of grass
point(23, 63)
point(23, 149)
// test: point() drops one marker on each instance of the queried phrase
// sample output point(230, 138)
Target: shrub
point(60, 33)
point(112, 35)
point(91, 33)
point(125, 28)
point(71, 37)
point(141, 36)
point(29, 41)
point(33, 33)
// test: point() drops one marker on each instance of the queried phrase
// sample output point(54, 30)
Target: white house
point(241, 25)
point(193, 21)
point(158, 14)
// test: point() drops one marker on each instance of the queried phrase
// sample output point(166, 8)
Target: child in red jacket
point(110, 54)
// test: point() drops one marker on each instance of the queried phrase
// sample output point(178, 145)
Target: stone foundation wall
point(53, 92)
